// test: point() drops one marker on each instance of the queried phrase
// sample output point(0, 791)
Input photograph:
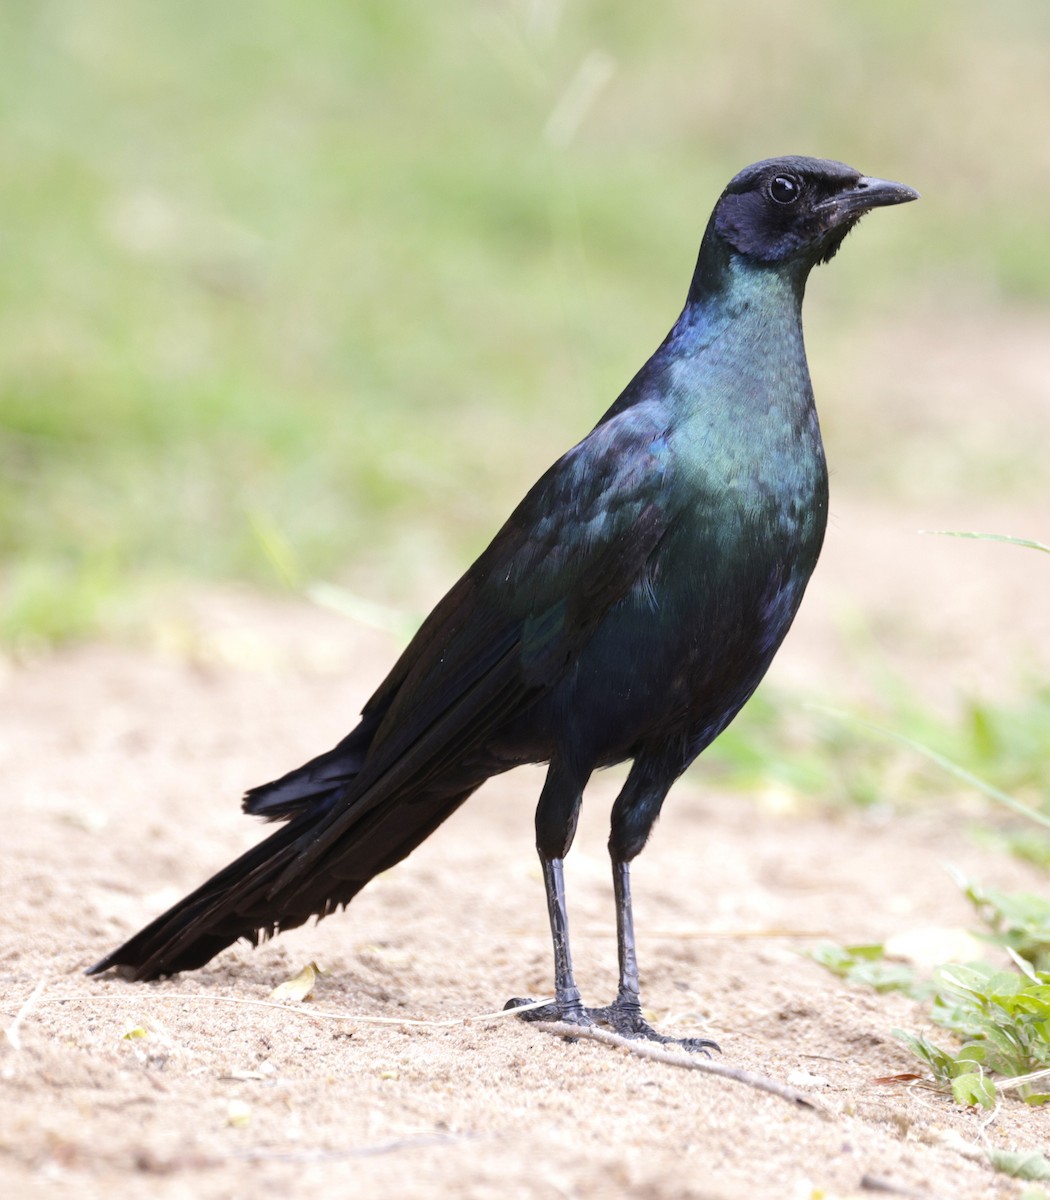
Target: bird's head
point(797, 210)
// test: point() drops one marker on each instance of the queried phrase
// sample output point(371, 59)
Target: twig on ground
point(154, 1164)
point(14, 1038)
point(298, 1009)
point(876, 1183)
point(715, 935)
point(641, 1049)
point(687, 1061)
point(1019, 1081)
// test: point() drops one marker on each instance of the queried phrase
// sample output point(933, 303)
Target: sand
point(123, 768)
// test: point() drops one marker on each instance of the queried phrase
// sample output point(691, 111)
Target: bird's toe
point(628, 1022)
point(568, 1014)
point(702, 1046)
point(545, 1012)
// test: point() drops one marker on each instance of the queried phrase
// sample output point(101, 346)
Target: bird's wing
point(503, 635)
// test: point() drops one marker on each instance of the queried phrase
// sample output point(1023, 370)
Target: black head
point(797, 209)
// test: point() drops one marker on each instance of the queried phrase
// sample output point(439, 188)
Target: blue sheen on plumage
point(626, 610)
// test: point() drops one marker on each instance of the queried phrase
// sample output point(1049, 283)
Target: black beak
point(865, 194)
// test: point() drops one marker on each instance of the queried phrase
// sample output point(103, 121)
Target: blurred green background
point(315, 290)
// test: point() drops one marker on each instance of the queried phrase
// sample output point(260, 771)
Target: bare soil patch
point(122, 772)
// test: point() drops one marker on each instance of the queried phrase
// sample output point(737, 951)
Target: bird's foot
point(628, 1022)
point(571, 1014)
point(624, 1019)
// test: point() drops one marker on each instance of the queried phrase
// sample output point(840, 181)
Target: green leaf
point(942, 1064)
point(1021, 1164)
point(972, 1088)
point(841, 960)
point(864, 965)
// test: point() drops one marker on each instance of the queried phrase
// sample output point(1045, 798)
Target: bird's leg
point(627, 996)
point(634, 814)
point(566, 993)
point(625, 1012)
point(556, 816)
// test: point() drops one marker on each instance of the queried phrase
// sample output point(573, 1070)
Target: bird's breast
point(696, 632)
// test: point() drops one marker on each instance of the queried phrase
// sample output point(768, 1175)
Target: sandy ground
point(122, 773)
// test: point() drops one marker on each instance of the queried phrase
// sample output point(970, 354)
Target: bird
point(626, 611)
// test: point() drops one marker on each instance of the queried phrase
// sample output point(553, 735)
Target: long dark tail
point(268, 890)
point(227, 907)
point(317, 784)
point(331, 847)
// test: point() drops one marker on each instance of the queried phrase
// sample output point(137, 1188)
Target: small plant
point(1002, 1017)
point(1018, 921)
point(867, 966)
point(962, 1073)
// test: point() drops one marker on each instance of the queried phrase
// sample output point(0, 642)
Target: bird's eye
point(785, 189)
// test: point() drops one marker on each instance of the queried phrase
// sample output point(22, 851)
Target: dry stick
point(713, 935)
point(11, 1032)
point(298, 1010)
point(640, 1049)
point(687, 1061)
point(1020, 1081)
point(162, 1166)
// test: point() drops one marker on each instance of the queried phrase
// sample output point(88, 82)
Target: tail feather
point(236, 903)
point(314, 786)
point(241, 900)
point(229, 906)
point(350, 815)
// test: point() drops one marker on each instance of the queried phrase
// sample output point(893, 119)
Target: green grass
point(816, 758)
point(998, 1012)
point(361, 271)
point(1000, 1017)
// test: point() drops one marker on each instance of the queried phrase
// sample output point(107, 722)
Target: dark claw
point(628, 1022)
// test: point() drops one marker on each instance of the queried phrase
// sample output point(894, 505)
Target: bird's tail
point(308, 868)
point(317, 784)
point(227, 907)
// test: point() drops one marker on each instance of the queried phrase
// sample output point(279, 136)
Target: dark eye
point(785, 189)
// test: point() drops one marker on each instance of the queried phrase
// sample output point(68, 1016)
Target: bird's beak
point(865, 194)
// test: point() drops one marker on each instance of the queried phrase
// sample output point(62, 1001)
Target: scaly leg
point(633, 815)
point(634, 812)
point(556, 816)
point(625, 1012)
